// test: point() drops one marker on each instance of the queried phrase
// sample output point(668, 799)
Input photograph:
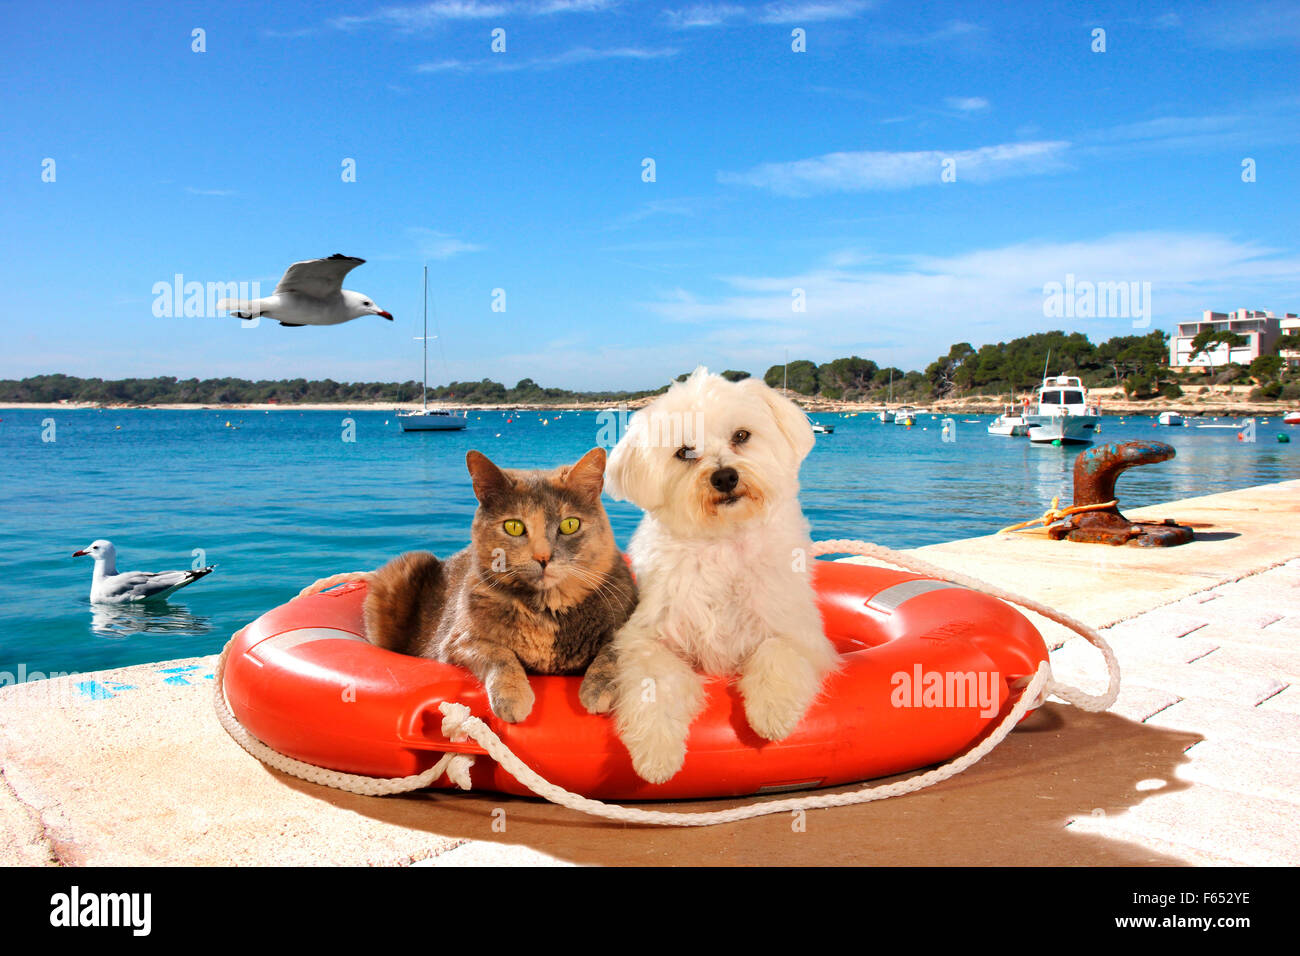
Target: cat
point(542, 586)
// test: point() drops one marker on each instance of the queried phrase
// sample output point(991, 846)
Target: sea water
point(278, 499)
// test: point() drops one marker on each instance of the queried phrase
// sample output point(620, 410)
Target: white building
point(1259, 329)
point(1290, 326)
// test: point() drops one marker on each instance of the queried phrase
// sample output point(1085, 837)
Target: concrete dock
point(1198, 762)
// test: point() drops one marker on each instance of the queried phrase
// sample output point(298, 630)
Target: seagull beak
point(77, 554)
point(387, 315)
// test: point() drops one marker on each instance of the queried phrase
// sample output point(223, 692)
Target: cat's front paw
point(511, 697)
point(597, 690)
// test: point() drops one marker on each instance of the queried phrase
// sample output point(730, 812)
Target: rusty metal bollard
point(1095, 473)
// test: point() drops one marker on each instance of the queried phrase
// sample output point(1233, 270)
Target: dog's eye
point(740, 437)
point(686, 453)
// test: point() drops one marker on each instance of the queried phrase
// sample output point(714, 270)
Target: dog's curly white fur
point(723, 564)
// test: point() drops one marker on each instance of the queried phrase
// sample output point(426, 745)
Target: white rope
point(459, 724)
point(1072, 695)
point(455, 766)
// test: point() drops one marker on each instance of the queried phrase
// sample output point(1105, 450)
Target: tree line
point(1139, 363)
point(169, 390)
point(996, 368)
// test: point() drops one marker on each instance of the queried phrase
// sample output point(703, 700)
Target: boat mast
point(424, 394)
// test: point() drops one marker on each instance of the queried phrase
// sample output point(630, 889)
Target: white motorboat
point(905, 415)
point(1170, 418)
point(820, 429)
point(1291, 418)
point(430, 419)
point(1063, 415)
point(1010, 424)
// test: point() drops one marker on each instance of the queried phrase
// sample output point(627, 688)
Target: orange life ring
point(928, 668)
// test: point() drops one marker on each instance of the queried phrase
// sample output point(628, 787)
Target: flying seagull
point(109, 587)
point(310, 293)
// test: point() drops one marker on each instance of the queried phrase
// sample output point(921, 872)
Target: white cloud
point(685, 206)
point(967, 104)
point(906, 309)
point(870, 170)
point(426, 16)
point(717, 14)
point(1243, 25)
point(810, 12)
point(950, 32)
point(439, 245)
point(499, 63)
point(703, 15)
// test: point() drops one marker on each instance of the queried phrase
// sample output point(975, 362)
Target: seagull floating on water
point(310, 293)
point(109, 587)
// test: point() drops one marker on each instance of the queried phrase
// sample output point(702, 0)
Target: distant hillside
point(1137, 363)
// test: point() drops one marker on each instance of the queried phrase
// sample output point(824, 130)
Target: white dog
point(723, 568)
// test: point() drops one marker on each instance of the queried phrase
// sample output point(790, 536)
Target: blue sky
point(775, 170)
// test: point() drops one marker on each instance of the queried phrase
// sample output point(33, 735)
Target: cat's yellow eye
point(514, 527)
point(569, 525)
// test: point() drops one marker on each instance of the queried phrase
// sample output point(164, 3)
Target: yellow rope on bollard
point(1054, 513)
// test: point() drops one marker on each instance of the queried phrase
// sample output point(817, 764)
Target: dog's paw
point(777, 685)
point(658, 762)
point(597, 691)
point(773, 720)
point(511, 697)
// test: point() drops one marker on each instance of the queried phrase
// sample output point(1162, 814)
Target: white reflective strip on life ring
point(302, 635)
point(894, 596)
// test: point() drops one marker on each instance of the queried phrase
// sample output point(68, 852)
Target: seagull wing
point(318, 278)
point(146, 585)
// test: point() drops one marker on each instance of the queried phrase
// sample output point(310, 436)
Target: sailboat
point(430, 419)
point(885, 415)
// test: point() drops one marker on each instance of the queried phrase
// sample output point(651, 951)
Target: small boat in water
point(820, 429)
point(905, 415)
point(1063, 415)
point(1291, 418)
point(1010, 424)
point(432, 420)
point(1170, 418)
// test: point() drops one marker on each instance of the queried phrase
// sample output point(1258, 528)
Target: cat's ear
point(489, 481)
point(587, 477)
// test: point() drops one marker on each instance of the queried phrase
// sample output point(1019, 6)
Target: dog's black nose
point(724, 479)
